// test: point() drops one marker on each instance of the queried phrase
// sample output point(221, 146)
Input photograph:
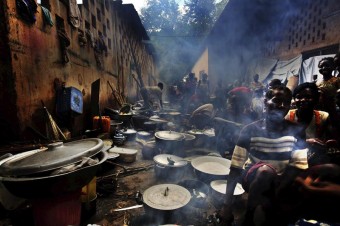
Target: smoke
point(244, 31)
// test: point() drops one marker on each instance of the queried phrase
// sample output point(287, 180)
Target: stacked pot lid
point(55, 156)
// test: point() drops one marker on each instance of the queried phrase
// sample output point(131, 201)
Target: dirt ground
point(117, 185)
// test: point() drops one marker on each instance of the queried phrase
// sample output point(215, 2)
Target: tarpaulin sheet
point(262, 67)
point(310, 68)
point(285, 69)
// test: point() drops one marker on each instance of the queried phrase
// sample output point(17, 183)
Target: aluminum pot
point(169, 141)
point(170, 168)
point(218, 191)
point(209, 168)
point(165, 202)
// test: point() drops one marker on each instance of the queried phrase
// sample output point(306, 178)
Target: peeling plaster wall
point(35, 63)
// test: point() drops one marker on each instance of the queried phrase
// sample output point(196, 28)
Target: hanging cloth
point(27, 9)
point(64, 43)
point(47, 16)
point(74, 13)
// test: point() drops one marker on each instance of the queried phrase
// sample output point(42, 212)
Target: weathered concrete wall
point(35, 64)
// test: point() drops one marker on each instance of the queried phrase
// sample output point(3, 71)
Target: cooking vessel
point(170, 168)
point(55, 156)
point(189, 140)
point(169, 141)
point(138, 121)
point(115, 125)
point(125, 155)
point(150, 150)
point(209, 168)
point(33, 186)
point(201, 138)
point(130, 134)
point(165, 202)
point(218, 191)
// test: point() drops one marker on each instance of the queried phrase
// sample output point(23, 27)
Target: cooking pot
point(37, 186)
point(218, 191)
point(170, 168)
point(144, 135)
point(209, 168)
point(201, 138)
point(115, 125)
point(130, 134)
point(55, 156)
point(165, 201)
point(169, 141)
point(149, 150)
point(125, 155)
point(189, 140)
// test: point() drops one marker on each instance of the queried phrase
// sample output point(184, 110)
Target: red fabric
point(240, 89)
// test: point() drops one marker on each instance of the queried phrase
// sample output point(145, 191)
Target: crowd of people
point(283, 144)
point(288, 159)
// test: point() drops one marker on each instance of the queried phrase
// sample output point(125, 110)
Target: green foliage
point(176, 33)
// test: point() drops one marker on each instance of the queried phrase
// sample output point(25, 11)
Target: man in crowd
point(268, 156)
point(152, 96)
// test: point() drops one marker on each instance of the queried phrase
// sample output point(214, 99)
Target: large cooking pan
point(209, 168)
point(38, 180)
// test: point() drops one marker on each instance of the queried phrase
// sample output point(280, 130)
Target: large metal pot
point(31, 176)
point(169, 141)
point(218, 190)
point(209, 168)
point(165, 202)
point(170, 168)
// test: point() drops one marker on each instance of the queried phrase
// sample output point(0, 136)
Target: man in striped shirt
point(268, 156)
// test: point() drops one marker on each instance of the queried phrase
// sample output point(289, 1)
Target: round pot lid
point(174, 113)
point(55, 156)
point(123, 151)
point(166, 196)
point(115, 123)
point(169, 135)
point(212, 165)
point(209, 132)
point(169, 160)
point(188, 137)
point(129, 131)
point(196, 132)
point(221, 186)
point(143, 133)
